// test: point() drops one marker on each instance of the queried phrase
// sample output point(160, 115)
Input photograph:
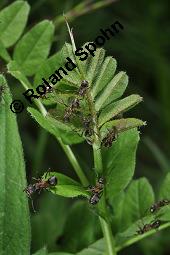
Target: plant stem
point(74, 163)
point(140, 237)
point(107, 232)
point(105, 225)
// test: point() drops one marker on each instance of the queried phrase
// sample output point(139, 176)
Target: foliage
point(124, 203)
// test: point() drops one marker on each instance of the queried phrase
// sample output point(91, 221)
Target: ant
point(39, 186)
point(147, 227)
point(155, 207)
point(48, 90)
point(96, 191)
point(88, 130)
point(110, 137)
point(74, 105)
point(83, 88)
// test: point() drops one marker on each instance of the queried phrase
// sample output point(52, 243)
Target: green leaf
point(81, 227)
point(138, 199)
point(97, 248)
point(118, 107)
point(119, 162)
point(14, 220)
point(55, 127)
point(121, 125)
point(4, 53)
point(13, 20)
point(95, 65)
point(66, 186)
point(34, 47)
point(105, 75)
point(112, 91)
point(165, 188)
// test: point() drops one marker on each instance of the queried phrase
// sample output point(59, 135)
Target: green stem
point(105, 225)
point(107, 232)
point(74, 163)
point(140, 237)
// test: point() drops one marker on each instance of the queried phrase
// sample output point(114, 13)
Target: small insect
point(155, 207)
point(96, 191)
point(48, 90)
point(44, 184)
point(83, 88)
point(39, 186)
point(71, 109)
point(110, 138)
point(147, 227)
point(87, 126)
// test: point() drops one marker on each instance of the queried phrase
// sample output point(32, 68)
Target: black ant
point(147, 227)
point(39, 186)
point(110, 137)
point(155, 207)
point(96, 191)
point(83, 88)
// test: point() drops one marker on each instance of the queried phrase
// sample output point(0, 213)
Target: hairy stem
point(98, 164)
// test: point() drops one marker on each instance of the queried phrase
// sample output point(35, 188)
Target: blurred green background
point(142, 50)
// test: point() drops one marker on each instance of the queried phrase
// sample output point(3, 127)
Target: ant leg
point(32, 204)
point(48, 172)
point(35, 179)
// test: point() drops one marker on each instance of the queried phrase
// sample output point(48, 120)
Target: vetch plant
point(85, 106)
